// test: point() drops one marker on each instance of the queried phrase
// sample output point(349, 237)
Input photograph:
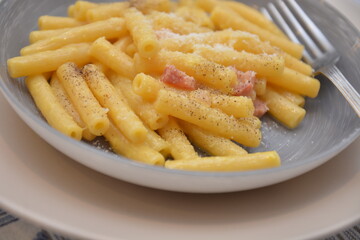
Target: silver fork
point(319, 52)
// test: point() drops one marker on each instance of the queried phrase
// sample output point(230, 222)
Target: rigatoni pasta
point(51, 108)
point(223, 18)
point(84, 101)
point(160, 80)
point(112, 28)
point(180, 146)
point(118, 110)
point(142, 33)
point(106, 11)
point(49, 60)
point(146, 111)
point(65, 101)
point(211, 119)
point(52, 22)
point(112, 57)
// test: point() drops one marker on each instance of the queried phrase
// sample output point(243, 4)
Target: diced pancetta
point(245, 84)
point(178, 79)
point(260, 108)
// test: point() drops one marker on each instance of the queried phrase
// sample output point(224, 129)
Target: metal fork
point(319, 52)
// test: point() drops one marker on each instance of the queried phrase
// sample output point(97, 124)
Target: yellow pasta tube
point(123, 43)
point(264, 64)
point(252, 121)
point(286, 112)
point(251, 43)
point(211, 119)
point(157, 143)
point(49, 60)
point(246, 162)
point(142, 33)
point(112, 57)
point(203, 70)
point(106, 11)
point(104, 69)
point(80, 9)
point(237, 106)
point(215, 145)
point(180, 147)
point(239, 40)
point(50, 107)
point(207, 72)
point(131, 50)
point(297, 65)
point(260, 86)
point(70, 10)
point(291, 96)
point(35, 36)
point(120, 113)
point(147, 6)
point(188, 3)
point(202, 96)
point(145, 110)
point(153, 65)
point(207, 5)
point(65, 101)
point(195, 15)
point(254, 16)
point(146, 86)
point(84, 101)
point(53, 22)
point(296, 82)
point(135, 151)
point(111, 28)
point(225, 18)
point(176, 24)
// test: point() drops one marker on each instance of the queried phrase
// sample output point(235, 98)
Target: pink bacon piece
point(245, 84)
point(260, 108)
point(178, 79)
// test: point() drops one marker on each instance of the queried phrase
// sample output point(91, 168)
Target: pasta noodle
point(112, 28)
point(137, 152)
point(65, 101)
point(142, 33)
point(34, 64)
point(84, 101)
point(215, 145)
point(180, 147)
point(243, 162)
point(213, 120)
point(238, 23)
point(120, 113)
point(50, 107)
point(146, 111)
point(112, 57)
point(51, 22)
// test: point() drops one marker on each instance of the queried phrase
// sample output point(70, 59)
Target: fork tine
point(266, 13)
point(307, 40)
point(278, 18)
point(310, 25)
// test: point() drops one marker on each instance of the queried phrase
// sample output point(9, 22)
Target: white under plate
point(42, 185)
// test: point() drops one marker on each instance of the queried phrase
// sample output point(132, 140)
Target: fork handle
point(341, 83)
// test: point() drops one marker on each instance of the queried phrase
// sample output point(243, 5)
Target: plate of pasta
point(191, 96)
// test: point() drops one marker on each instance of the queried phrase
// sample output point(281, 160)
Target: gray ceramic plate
point(329, 127)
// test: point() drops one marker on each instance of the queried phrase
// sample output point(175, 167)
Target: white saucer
point(42, 185)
